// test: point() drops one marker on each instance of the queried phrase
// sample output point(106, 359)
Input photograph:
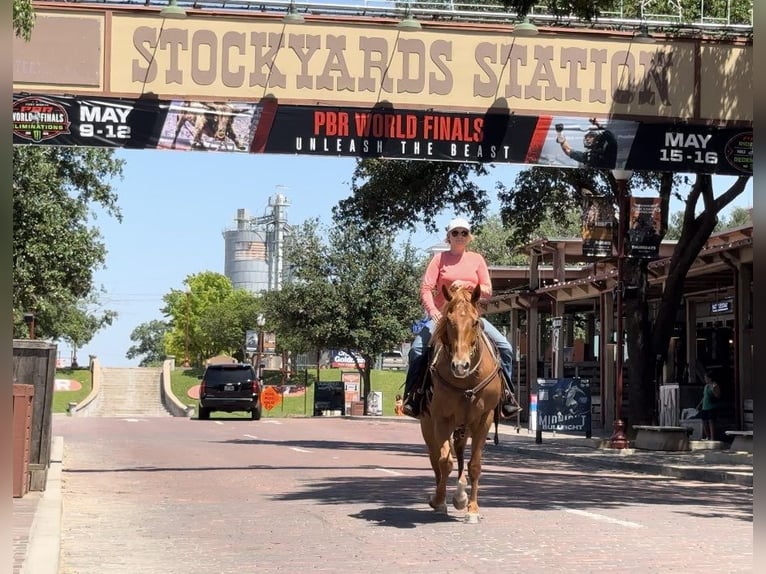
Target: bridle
point(471, 393)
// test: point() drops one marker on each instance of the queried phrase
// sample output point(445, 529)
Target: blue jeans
point(422, 339)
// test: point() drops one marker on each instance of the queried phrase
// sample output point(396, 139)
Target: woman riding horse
point(467, 387)
point(455, 268)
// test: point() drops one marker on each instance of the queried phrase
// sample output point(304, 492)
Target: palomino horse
point(467, 388)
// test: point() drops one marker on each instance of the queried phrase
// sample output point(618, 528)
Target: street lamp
point(260, 321)
point(186, 333)
point(621, 176)
point(29, 319)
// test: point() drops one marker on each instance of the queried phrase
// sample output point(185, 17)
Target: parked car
point(393, 360)
point(229, 387)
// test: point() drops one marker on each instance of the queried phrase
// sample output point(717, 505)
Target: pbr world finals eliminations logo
point(37, 119)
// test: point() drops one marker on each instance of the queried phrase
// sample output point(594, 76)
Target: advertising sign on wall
point(269, 127)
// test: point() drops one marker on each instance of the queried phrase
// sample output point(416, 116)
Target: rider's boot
point(509, 405)
point(413, 387)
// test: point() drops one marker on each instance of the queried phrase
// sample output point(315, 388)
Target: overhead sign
point(131, 51)
point(268, 127)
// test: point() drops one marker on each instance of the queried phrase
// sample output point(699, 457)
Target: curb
point(45, 534)
point(719, 475)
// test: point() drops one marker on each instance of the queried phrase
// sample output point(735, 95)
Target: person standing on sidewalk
point(455, 267)
point(707, 406)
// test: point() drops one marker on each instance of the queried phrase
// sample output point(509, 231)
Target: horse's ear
point(476, 294)
point(446, 292)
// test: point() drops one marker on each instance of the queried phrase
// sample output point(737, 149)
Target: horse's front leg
point(443, 445)
point(478, 438)
point(460, 498)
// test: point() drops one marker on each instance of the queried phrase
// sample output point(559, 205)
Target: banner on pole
point(644, 228)
point(597, 227)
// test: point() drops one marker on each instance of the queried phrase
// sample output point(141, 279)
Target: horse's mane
point(460, 296)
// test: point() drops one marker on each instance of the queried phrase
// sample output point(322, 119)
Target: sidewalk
point(706, 461)
point(37, 516)
point(37, 522)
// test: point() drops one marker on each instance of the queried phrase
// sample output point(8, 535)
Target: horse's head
point(458, 329)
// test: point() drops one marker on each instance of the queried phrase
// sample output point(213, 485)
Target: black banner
point(645, 226)
point(564, 405)
point(497, 136)
point(87, 122)
point(329, 396)
point(598, 227)
point(383, 132)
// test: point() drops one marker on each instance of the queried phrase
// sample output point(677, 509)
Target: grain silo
point(255, 248)
point(246, 262)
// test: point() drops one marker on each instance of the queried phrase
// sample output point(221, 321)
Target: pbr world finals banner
point(268, 127)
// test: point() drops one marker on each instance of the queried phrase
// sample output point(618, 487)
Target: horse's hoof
point(439, 508)
point(460, 503)
point(471, 518)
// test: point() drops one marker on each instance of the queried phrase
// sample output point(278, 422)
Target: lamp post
point(621, 176)
point(260, 321)
point(29, 319)
point(186, 333)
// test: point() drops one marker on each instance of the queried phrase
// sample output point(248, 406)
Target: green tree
point(226, 322)
point(23, 18)
point(493, 241)
point(358, 292)
point(738, 217)
point(150, 343)
point(56, 250)
point(208, 317)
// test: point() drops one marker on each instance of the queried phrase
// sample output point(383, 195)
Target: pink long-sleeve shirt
point(446, 267)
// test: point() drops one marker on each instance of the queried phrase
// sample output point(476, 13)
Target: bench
point(743, 440)
point(650, 437)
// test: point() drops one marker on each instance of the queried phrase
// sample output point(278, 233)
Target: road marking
point(601, 517)
point(218, 422)
point(296, 449)
point(272, 422)
point(132, 420)
point(251, 436)
point(387, 471)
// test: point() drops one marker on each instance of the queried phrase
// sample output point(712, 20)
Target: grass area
point(390, 383)
point(62, 398)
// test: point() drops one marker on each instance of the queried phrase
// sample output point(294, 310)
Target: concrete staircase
point(130, 392)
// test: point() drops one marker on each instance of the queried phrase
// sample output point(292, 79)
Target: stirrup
point(508, 410)
point(410, 410)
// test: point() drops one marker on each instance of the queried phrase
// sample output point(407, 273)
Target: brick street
point(332, 495)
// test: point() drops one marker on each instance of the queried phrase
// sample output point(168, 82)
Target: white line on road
point(296, 449)
point(218, 422)
point(389, 471)
point(132, 420)
point(601, 517)
point(251, 436)
point(272, 422)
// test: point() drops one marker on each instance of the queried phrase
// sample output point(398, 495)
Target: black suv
point(229, 387)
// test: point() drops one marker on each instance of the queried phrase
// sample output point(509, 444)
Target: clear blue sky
point(175, 207)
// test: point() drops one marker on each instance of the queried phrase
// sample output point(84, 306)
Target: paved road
point(332, 495)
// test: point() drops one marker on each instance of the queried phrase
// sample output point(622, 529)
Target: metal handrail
point(455, 11)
